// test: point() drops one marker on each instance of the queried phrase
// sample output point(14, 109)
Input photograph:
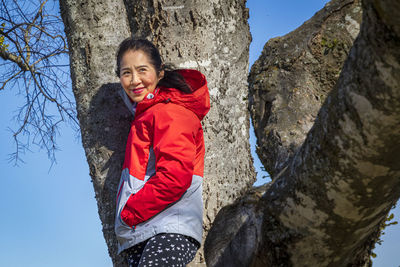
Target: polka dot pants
point(163, 250)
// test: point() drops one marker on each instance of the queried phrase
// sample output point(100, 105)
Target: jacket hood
point(198, 101)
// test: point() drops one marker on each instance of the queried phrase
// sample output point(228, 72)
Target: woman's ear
point(161, 75)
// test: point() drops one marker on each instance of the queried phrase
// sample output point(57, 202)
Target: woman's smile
point(138, 90)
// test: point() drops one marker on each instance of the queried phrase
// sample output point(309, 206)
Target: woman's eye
point(142, 70)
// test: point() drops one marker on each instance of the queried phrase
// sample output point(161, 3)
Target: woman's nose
point(135, 79)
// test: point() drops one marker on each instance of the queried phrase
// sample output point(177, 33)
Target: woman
point(159, 202)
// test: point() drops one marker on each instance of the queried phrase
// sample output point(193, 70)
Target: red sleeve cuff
point(127, 217)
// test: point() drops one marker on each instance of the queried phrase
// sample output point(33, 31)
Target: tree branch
point(35, 46)
point(9, 79)
point(14, 58)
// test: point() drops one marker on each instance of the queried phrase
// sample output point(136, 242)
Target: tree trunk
point(211, 36)
point(326, 206)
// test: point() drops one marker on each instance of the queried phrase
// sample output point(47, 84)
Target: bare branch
point(34, 50)
point(16, 59)
point(27, 35)
point(9, 79)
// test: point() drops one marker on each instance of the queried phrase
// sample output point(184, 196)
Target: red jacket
point(167, 125)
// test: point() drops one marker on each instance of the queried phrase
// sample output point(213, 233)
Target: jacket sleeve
point(174, 146)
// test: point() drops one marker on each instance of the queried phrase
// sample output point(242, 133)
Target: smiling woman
point(37, 232)
point(139, 66)
point(138, 76)
point(159, 198)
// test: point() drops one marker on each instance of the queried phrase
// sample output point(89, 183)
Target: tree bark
point(94, 29)
point(326, 206)
point(292, 77)
point(211, 36)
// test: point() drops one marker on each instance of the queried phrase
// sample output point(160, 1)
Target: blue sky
point(49, 215)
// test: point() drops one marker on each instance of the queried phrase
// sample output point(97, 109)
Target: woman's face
point(137, 75)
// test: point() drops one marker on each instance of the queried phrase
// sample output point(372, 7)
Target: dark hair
point(172, 78)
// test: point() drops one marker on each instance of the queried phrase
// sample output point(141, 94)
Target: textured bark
point(235, 236)
point(326, 206)
point(211, 36)
point(94, 29)
point(292, 77)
